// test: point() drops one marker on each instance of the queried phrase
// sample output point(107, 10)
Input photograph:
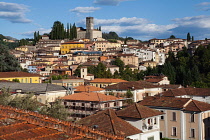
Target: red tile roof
point(153, 80)
point(17, 74)
point(18, 124)
point(187, 91)
point(164, 102)
point(90, 96)
point(138, 111)
point(132, 85)
point(108, 121)
point(186, 104)
point(107, 80)
point(86, 88)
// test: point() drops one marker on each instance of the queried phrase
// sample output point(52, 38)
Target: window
point(162, 117)
point(192, 118)
point(155, 120)
point(173, 131)
point(161, 135)
point(192, 133)
point(151, 138)
point(173, 116)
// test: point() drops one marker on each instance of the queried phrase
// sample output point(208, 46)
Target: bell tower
point(89, 27)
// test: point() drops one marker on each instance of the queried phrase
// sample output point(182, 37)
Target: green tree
point(58, 31)
point(196, 77)
point(5, 96)
point(118, 62)
point(8, 62)
point(188, 37)
point(100, 69)
point(27, 102)
point(108, 74)
point(77, 72)
point(169, 71)
point(56, 110)
point(192, 38)
point(172, 36)
point(129, 94)
point(16, 80)
point(171, 58)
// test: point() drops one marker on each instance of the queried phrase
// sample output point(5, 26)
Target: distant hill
point(7, 37)
point(2, 37)
point(10, 45)
point(10, 38)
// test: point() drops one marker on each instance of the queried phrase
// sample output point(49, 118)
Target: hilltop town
point(110, 88)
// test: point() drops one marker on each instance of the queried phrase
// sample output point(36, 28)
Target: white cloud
point(109, 2)
point(122, 21)
point(30, 34)
point(13, 12)
point(204, 6)
point(201, 21)
point(84, 9)
point(138, 27)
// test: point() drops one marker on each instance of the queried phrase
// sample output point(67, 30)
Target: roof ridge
point(172, 93)
point(138, 110)
point(112, 123)
point(196, 105)
point(44, 121)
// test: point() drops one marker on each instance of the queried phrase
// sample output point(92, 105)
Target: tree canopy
point(29, 102)
point(60, 32)
point(8, 62)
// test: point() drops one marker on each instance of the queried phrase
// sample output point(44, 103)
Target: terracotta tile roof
point(86, 88)
point(187, 91)
point(108, 121)
point(185, 104)
point(132, 85)
point(138, 111)
point(18, 124)
point(197, 106)
point(91, 96)
point(170, 86)
point(107, 80)
point(17, 74)
point(164, 102)
point(153, 80)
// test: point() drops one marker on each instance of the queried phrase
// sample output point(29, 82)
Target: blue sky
point(140, 19)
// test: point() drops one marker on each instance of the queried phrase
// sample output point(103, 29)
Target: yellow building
point(66, 47)
point(23, 77)
point(22, 48)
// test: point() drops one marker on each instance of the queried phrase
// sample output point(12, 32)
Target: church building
point(89, 32)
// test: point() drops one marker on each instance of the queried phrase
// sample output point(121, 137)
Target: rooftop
point(108, 121)
point(18, 124)
point(185, 104)
point(138, 111)
point(17, 74)
point(131, 85)
point(187, 91)
point(107, 80)
point(86, 88)
point(90, 96)
point(31, 87)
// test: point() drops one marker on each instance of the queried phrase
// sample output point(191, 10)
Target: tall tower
point(89, 27)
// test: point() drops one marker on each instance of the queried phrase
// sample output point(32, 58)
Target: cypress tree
point(188, 37)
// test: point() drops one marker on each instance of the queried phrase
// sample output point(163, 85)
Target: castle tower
point(89, 27)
